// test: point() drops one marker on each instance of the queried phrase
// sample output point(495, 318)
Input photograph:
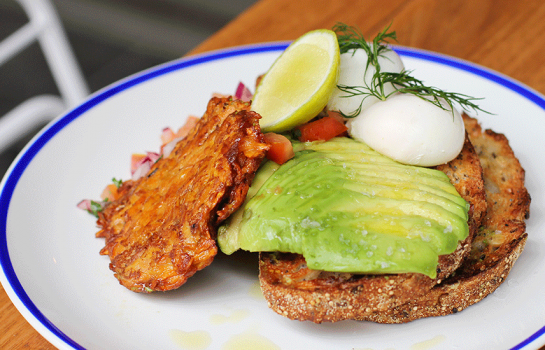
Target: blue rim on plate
point(25, 158)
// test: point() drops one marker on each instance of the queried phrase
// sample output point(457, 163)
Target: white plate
point(55, 277)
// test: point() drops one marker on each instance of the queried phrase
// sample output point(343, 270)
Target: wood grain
point(504, 35)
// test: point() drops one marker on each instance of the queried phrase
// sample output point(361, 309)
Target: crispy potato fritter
point(162, 228)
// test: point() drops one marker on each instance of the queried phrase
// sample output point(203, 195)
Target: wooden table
point(505, 35)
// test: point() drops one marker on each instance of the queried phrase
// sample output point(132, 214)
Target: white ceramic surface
point(52, 271)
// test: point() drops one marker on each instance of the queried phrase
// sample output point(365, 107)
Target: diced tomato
point(337, 115)
point(141, 163)
point(189, 124)
point(136, 161)
point(321, 129)
point(110, 193)
point(167, 135)
point(281, 148)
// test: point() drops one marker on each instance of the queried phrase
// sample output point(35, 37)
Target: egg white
point(353, 71)
point(410, 130)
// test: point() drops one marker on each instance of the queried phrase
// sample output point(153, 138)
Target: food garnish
point(322, 129)
point(350, 39)
point(243, 93)
point(359, 63)
point(91, 206)
point(372, 81)
point(299, 83)
point(281, 148)
point(117, 182)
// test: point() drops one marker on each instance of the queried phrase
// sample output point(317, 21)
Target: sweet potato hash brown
point(162, 228)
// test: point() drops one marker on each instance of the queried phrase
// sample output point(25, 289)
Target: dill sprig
point(350, 38)
point(403, 82)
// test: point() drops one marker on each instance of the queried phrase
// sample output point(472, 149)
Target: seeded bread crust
point(297, 292)
point(497, 245)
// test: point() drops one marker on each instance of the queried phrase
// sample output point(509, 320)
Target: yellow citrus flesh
point(298, 84)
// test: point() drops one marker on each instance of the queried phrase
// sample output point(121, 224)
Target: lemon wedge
point(299, 83)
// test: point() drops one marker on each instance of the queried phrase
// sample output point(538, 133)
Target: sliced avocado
point(228, 232)
point(347, 208)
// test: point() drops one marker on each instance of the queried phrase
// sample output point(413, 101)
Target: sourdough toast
point(498, 243)
point(286, 280)
point(297, 292)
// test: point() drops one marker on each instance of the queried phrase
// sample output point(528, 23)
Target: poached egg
point(404, 127)
point(411, 130)
point(353, 71)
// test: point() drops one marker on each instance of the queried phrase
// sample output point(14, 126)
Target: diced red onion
point(144, 165)
point(85, 204)
point(141, 167)
point(167, 135)
point(141, 171)
point(167, 149)
point(90, 205)
point(243, 93)
point(153, 156)
point(190, 123)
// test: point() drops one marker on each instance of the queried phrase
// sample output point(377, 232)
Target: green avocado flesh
point(346, 208)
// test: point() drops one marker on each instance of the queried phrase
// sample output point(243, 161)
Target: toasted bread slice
point(498, 243)
point(294, 290)
point(496, 246)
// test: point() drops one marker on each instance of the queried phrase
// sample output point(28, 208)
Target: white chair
point(45, 27)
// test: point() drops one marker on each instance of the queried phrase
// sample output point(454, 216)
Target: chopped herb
point(153, 172)
point(96, 207)
point(117, 182)
point(350, 38)
point(296, 133)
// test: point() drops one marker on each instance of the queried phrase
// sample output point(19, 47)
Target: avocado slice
point(347, 208)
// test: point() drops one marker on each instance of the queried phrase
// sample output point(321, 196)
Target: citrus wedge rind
point(299, 83)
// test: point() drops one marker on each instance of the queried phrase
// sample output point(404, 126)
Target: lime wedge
point(299, 83)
